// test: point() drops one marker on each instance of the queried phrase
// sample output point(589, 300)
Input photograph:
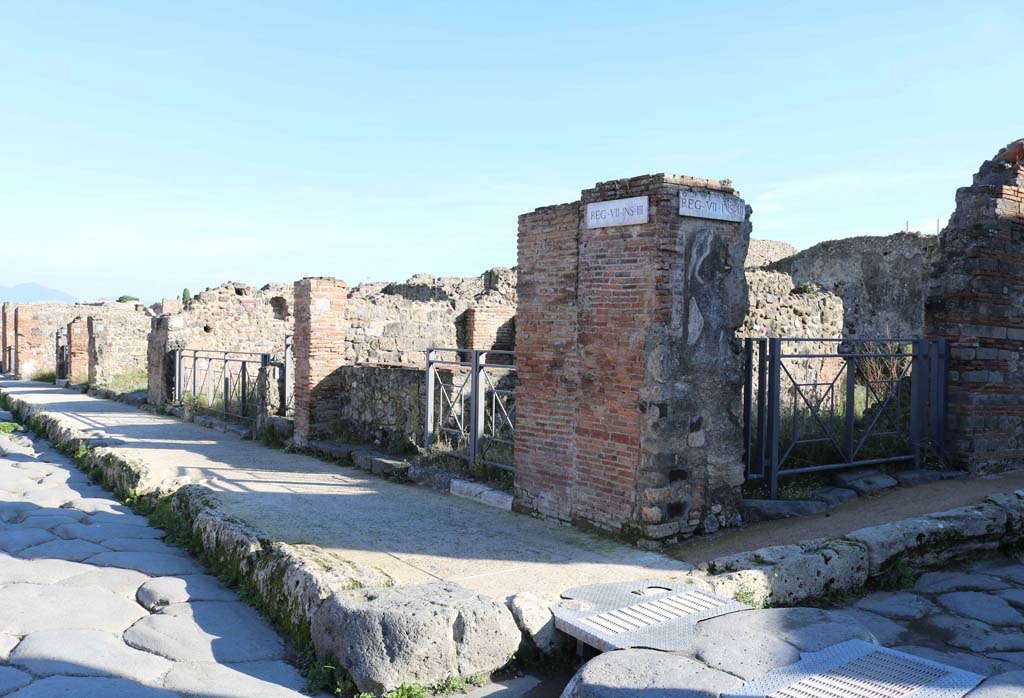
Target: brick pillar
point(976, 301)
point(319, 341)
point(491, 328)
point(7, 336)
point(628, 414)
point(78, 351)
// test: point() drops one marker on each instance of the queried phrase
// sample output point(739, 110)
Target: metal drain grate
point(858, 669)
point(656, 615)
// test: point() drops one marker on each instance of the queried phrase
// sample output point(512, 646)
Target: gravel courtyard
point(93, 604)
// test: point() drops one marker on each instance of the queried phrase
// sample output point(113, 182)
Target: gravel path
point(93, 604)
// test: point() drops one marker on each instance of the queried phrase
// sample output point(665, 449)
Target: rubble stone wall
point(764, 252)
point(118, 345)
point(229, 317)
point(976, 302)
point(881, 280)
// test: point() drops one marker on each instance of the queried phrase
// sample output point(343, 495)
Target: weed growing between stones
point(131, 382)
point(44, 376)
point(9, 427)
point(899, 574)
point(269, 437)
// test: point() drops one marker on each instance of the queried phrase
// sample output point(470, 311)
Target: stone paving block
point(975, 636)
point(1008, 685)
point(164, 591)
point(886, 631)
point(834, 496)
point(12, 679)
point(910, 478)
point(961, 660)
point(7, 643)
point(987, 608)
point(11, 511)
point(639, 672)
point(1008, 572)
point(728, 646)
point(1016, 659)
point(104, 517)
point(28, 608)
point(86, 653)
point(754, 510)
point(1013, 596)
point(112, 579)
point(98, 532)
point(902, 605)
point(14, 570)
point(93, 505)
point(206, 631)
point(141, 545)
point(89, 687)
point(271, 679)
point(46, 519)
point(535, 620)
point(153, 564)
point(941, 582)
point(20, 538)
point(61, 549)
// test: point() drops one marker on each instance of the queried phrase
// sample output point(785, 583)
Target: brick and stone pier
point(628, 405)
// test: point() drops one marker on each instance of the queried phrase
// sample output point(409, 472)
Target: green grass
point(133, 381)
point(44, 376)
point(9, 427)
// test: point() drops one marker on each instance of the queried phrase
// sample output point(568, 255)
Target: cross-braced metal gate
point(470, 404)
point(812, 404)
point(233, 383)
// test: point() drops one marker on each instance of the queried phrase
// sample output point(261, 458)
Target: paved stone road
point(971, 616)
point(94, 605)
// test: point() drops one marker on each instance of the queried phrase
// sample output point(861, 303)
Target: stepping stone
point(20, 538)
point(29, 608)
point(641, 672)
point(153, 564)
point(7, 643)
point(89, 687)
point(75, 550)
point(12, 679)
point(901, 605)
point(206, 631)
point(97, 533)
point(113, 579)
point(653, 614)
point(273, 679)
point(989, 609)
point(975, 636)
point(942, 582)
point(164, 591)
point(86, 653)
point(858, 668)
point(961, 660)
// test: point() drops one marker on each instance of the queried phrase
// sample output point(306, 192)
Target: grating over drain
point(656, 615)
point(858, 669)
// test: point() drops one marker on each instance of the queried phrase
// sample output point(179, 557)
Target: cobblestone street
point(969, 617)
point(93, 604)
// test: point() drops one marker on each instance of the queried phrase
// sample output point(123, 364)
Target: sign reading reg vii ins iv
point(712, 204)
point(605, 214)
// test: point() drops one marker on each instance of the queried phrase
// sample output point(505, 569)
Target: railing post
point(286, 384)
point(748, 390)
point(428, 425)
point(179, 377)
point(774, 399)
point(476, 408)
point(939, 355)
point(851, 406)
point(244, 393)
point(762, 396)
point(919, 375)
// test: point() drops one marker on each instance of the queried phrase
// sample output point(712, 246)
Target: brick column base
point(319, 340)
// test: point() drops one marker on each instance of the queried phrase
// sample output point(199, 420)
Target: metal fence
point(867, 402)
point(235, 384)
point(470, 404)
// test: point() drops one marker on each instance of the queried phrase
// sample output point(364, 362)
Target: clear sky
point(146, 146)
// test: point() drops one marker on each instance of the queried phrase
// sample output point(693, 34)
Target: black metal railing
point(817, 404)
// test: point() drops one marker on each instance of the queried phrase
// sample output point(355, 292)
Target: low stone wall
point(382, 405)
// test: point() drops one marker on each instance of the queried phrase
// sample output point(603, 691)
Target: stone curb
point(290, 584)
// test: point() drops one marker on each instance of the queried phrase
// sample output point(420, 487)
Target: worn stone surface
point(984, 607)
point(89, 687)
point(834, 496)
point(1008, 685)
point(899, 605)
point(266, 679)
point(415, 634)
point(938, 582)
point(535, 619)
point(86, 653)
point(755, 510)
point(164, 591)
point(27, 608)
point(12, 679)
point(647, 673)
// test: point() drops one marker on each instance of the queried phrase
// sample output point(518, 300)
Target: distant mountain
point(29, 293)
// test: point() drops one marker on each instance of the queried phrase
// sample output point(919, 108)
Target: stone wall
point(118, 345)
point(881, 280)
point(7, 336)
point(395, 323)
point(229, 317)
point(976, 301)
point(764, 252)
point(628, 404)
point(36, 326)
point(383, 405)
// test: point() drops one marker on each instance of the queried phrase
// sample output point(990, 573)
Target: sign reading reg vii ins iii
point(715, 205)
point(605, 214)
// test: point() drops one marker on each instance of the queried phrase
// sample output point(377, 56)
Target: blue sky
point(150, 146)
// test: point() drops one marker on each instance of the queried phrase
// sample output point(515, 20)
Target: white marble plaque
point(322, 304)
point(605, 214)
point(715, 205)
